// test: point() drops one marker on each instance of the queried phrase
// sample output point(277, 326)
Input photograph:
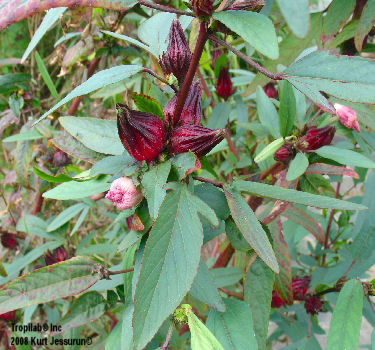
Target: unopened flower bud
point(124, 194)
point(8, 241)
point(313, 305)
point(191, 113)
point(142, 134)
point(347, 117)
point(61, 159)
point(176, 59)
point(276, 300)
point(285, 153)
point(254, 5)
point(224, 87)
point(216, 53)
point(195, 138)
point(202, 7)
point(300, 287)
point(270, 90)
point(58, 255)
point(8, 316)
point(316, 138)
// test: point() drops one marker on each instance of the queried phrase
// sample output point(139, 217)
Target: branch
point(201, 179)
point(224, 257)
point(164, 8)
point(168, 338)
point(149, 71)
point(120, 272)
point(248, 60)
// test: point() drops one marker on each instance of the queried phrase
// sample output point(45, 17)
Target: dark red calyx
point(8, 241)
point(270, 90)
point(142, 134)
point(202, 7)
point(300, 287)
point(285, 153)
point(276, 300)
point(224, 86)
point(61, 159)
point(58, 255)
point(316, 138)
point(313, 305)
point(8, 316)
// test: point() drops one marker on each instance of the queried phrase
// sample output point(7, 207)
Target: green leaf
point(226, 276)
point(75, 189)
point(201, 337)
point(287, 109)
point(346, 318)
point(219, 116)
point(258, 295)
point(32, 134)
point(365, 24)
point(49, 283)
point(56, 179)
point(267, 113)
point(269, 150)
point(87, 308)
point(9, 82)
point(153, 182)
point(170, 262)
point(296, 14)
point(250, 227)
point(100, 135)
point(33, 225)
point(293, 196)
point(112, 165)
point(255, 28)
point(233, 328)
point(103, 78)
point(348, 78)
point(345, 156)
point(184, 164)
point(45, 76)
point(147, 104)
point(65, 216)
point(80, 220)
point(297, 167)
point(205, 290)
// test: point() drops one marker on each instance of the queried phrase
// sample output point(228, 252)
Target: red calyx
point(61, 159)
point(276, 300)
point(313, 305)
point(142, 134)
point(316, 138)
point(176, 59)
point(270, 90)
point(195, 138)
point(191, 113)
point(58, 255)
point(300, 287)
point(8, 241)
point(8, 316)
point(285, 153)
point(202, 7)
point(224, 87)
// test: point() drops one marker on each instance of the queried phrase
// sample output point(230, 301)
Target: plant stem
point(232, 294)
point(199, 46)
point(120, 272)
point(248, 60)
point(164, 8)
point(217, 184)
point(224, 257)
point(149, 71)
point(168, 338)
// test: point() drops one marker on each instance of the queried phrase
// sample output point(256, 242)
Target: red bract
point(202, 7)
point(300, 287)
point(224, 85)
point(270, 90)
point(313, 305)
point(316, 138)
point(8, 241)
point(142, 134)
point(8, 316)
point(276, 300)
point(58, 255)
point(191, 113)
point(195, 138)
point(285, 153)
point(176, 59)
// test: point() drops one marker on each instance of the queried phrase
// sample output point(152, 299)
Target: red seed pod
point(246, 5)
point(224, 84)
point(8, 316)
point(300, 287)
point(58, 255)
point(202, 7)
point(270, 90)
point(8, 241)
point(195, 138)
point(176, 59)
point(142, 134)
point(61, 159)
point(276, 300)
point(313, 305)
point(285, 153)
point(191, 113)
point(316, 138)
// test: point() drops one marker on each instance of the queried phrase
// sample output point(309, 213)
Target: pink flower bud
point(313, 305)
point(176, 59)
point(195, 138)
point(124, 194)
point(8, 241)
point(270, 90)
point(224, 84)
point(347, 117)
point(191, 113)
point(142, 134)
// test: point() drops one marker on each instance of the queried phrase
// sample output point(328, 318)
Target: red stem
point(224, 257)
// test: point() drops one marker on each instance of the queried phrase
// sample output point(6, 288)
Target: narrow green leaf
point(296, 14)
point(258, 295)
point(45, 75)
point(297, 167)
point(250, 227)
point(65, 216)
point(255, 28)
point(80, 220)
point(346, 318)
point(287, 109)
point(32, 134)
point(345, 156)
point(58, 178)
point(269, 150)
point(276, 192)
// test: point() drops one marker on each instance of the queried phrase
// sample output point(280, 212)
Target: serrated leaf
point(287, 109)
point(346, 318)
point(48, 283)
point(297, 16)
point(255, 28)
point(250, 227)
point(185, 164)
point(297, 167)
point(147, 104)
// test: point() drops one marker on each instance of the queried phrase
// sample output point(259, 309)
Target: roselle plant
point(191, 174)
